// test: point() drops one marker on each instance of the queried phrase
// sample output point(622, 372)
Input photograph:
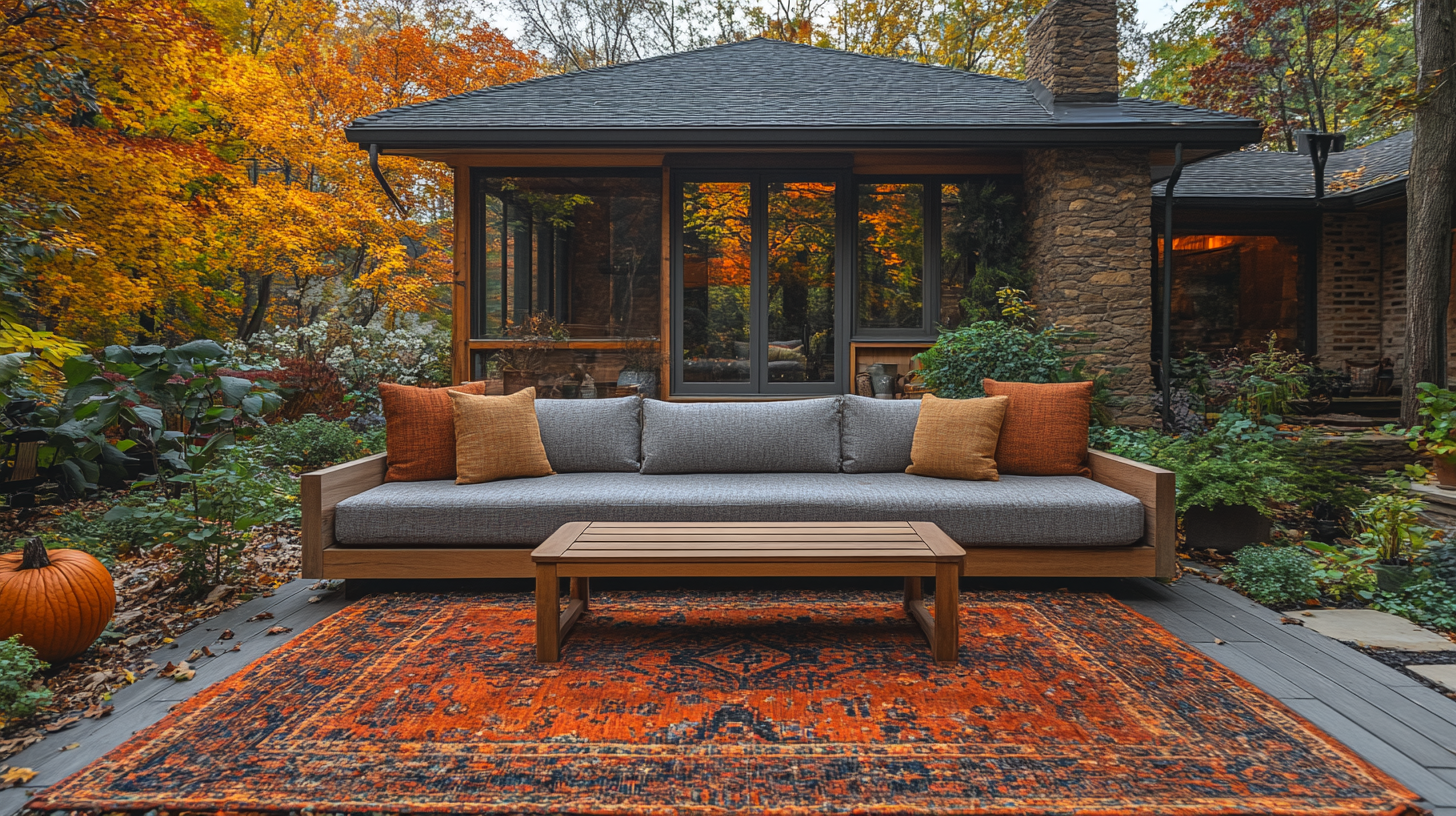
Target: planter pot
point(1224, 528)
point(646, 382)
point(513, 381)
point(1446, 473)
point(1391, 577)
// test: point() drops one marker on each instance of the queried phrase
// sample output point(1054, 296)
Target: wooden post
point(947, 612)
point(548, 615)
point(460, 294)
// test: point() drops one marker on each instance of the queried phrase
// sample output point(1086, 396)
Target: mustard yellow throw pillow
point(955, 439)
point(497, 437)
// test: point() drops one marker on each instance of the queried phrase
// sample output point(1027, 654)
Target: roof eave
point(1339, 202)
point(1200, 135)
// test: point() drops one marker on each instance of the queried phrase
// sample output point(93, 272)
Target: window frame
point(477, 272)
point(757, 384)
point(930, 253)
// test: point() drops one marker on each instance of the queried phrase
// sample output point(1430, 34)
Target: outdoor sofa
point(831, 459)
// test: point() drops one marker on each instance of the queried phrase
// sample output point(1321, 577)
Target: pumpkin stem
point(35, 555)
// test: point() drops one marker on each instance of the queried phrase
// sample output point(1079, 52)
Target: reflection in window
point(801, 233)
point(891, 256)
point(586, 250)
point(1232, 291)
point(717, 269)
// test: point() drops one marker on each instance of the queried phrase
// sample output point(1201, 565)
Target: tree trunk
point(1430, 190)
point(255, 322)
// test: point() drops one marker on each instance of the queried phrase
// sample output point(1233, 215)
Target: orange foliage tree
point(186, 158)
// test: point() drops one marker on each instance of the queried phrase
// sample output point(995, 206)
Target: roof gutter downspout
point(379, 176)
point(1165, 364)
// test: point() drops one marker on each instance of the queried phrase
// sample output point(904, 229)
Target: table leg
point(548, 614)
point(947, 612)
point(914, 591)
point(581, 591)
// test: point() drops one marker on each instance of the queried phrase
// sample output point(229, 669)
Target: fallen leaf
point(98, 711)
point(278, 630)
point(196, 653)
point(237, 647)
point(1288, 621)
point(15, 776)
point(1219, 642)
point(227, 634)
point(130, 678)
point(61, 725)
point(206, 652)
point(70, 747)
point(97, 678)
point(132, 641)
point(315, 599)
point(261, 616)
point(218, 593)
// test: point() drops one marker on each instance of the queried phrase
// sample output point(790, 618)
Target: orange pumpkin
point(58, 601)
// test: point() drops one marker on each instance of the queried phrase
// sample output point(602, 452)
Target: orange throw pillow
point(1045, 432)
point(420, 428)
point(498, 438)
point(956, 438)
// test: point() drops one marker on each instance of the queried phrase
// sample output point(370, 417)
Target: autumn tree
point(1331, 65)
point(1432, 186)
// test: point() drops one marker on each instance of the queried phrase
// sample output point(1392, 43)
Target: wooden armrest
point(1157, 489)
point(319, 492)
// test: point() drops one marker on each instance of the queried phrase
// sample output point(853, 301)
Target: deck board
point(1391, 720)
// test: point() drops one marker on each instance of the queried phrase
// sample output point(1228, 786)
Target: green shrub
point(20, 695)
point(955, 366)
point(310, 442)
point(1428, 602)
point(1274, 575)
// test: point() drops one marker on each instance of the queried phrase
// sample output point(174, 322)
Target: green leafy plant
point(1010, 350)
point(310, 442)
point(1437, 432)
point(1275, 576)
point(1390, 525)
point(1426, 601)
point(20, 695)
point(1238, 462)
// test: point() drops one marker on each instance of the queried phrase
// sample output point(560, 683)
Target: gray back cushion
point(591, 435)
point(798, 436)
point(877, 434)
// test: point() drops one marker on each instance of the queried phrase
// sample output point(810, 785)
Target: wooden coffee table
point(585, 550)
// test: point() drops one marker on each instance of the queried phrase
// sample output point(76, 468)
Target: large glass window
point(891, 256)
point(717, 270)
point(918, 245)
point(584, 249)
point(757, 308)
point(566, 282)
point(1231, 291)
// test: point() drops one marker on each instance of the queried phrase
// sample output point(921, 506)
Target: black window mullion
point(930, 258)
point(758, 287)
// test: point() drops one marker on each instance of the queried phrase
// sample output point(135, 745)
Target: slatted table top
point(898, 541)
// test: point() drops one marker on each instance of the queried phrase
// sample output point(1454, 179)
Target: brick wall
point(1089, 222)
point(1350, 319)
point(1392, 294)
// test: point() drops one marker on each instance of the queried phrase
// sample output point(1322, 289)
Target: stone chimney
point(1071, 49)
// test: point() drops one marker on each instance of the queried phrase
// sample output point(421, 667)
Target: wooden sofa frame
point(1153, 556)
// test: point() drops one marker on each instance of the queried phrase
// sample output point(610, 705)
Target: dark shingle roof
point(1360, 171)
point(745, 91)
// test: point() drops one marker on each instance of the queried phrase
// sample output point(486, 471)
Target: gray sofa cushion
point(798, 436)
point(602, 435)
point(1031, 511)
point(876, 435)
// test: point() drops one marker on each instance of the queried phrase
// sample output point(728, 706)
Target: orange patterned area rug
point(772, 703)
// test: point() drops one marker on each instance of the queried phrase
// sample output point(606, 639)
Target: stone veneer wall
point(1071, 49)
point(1089, 223)
point(1349, 287)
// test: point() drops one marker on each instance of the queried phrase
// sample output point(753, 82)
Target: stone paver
point(1368, 627)
point(1443, 675)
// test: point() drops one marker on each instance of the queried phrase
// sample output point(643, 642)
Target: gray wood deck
point(1390, 719)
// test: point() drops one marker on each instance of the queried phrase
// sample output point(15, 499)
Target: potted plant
point(642, 360)
point(1437, 434)
point(522, 361)
point(1229, 481)
point(1390, 540)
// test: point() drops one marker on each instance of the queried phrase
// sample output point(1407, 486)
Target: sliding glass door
point(758, 299)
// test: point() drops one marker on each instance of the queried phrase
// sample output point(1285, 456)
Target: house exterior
point(761, 219)
point(1255, 251)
